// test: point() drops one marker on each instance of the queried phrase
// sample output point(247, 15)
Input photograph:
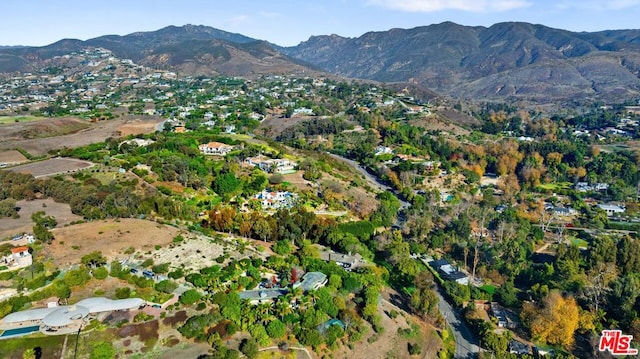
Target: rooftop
point(262, 294)
point(312, 281)
point(64, 315)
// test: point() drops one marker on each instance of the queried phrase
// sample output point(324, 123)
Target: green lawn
point(555, 186)
point(13, 119)
point(488, 288)
point(51, 345)
point(579, 242)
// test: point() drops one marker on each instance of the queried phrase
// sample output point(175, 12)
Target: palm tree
point(263, 313)
point(283, 306)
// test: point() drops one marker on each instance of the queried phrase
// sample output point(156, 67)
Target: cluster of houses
point(586, 187)
point(310, 281)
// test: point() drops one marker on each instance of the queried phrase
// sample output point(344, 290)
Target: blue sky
point(288, 22)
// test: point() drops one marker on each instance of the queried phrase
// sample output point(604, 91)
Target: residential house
point(612, 209)
point(347, 261)
point(449, 272)
point(563, 211)
point(276, 200)
point(312, 281)
point(303, 111)
point(518, 348)
point(383, 150)
point(64, 319)
point(498, 312)
point(215, 148)
point(275, 165)
point(20, 257)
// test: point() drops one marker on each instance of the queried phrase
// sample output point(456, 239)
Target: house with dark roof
point(449, 272)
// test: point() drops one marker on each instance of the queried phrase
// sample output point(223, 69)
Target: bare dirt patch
point(200, 251)
point(52, 166)
point(296, 180)
point(60, 211)
point(392, 343)
point(434, 123)
point(47, 127)
point(272, 126)
point(14, 136)
point(137, 126)
point(12, 157)
point(111, 237)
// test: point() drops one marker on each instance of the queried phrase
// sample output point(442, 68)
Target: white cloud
point(463, 5)
point(598, 5)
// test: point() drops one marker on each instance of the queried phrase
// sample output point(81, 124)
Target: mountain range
point(506, 61)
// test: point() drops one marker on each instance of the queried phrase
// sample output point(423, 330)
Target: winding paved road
point(466, 342)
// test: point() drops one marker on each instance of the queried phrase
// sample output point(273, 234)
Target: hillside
point(506, 60)
point(190, 49)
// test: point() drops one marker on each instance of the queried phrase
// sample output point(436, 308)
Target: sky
point(288, 22)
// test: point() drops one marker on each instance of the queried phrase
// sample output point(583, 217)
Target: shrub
point(190, 297)
point(166, 286)
point(103, 350)
point(123, 292)
point(414, 349)
point(178, 273)
point(100, 273)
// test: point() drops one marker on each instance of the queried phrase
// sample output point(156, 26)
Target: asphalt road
point(466, 343)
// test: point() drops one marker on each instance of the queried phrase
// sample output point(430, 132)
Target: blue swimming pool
point(19, 331)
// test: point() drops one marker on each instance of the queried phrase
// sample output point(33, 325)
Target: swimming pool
point(19, 331)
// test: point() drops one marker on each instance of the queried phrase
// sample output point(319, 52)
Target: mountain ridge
point(508, 60)
point(505, 61)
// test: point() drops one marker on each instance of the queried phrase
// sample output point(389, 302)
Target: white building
point(276, 200)
point(272, 165)
point(215, 148)
point(612, 209)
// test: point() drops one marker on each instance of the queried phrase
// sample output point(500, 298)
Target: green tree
point(249, 347)
point(94, 259)
point(226, 185)
point(276, 329)
point(100, 273)
point(76, 277)
point(190, 297)
point(166, 286)
point(41, 233)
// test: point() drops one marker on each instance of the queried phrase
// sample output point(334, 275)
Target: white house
point(19, 257)
point(383, 150)
point(612, 209)
point(215, 148)
point(275, 165)
point(276, 200)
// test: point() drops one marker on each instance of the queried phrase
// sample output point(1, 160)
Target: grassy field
point(581, 243)
point(14, 119)
point(555, 186)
